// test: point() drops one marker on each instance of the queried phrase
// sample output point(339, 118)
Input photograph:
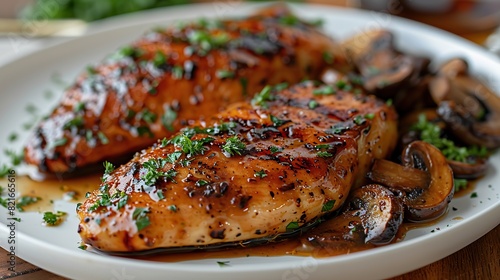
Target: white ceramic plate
point(56, 248)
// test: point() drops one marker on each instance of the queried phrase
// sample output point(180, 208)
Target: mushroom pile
point(449, 125)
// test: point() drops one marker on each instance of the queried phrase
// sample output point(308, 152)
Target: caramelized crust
point(250, 172)
point(152, 88)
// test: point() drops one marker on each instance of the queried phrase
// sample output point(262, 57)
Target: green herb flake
point(292, 226)
point(24, 201)
point(191, 147)
point(359, 120)
point(141, 218)
point(160, 194)
point(168, 118)
point(148, 116)
point(328, 206)
point(82, 247)
point(324, 154)
point(224, 74)
point(102, 137)
point(459, 184)
point(53, 219)
point(13, 137)
point(473, 195)
point(289, 20)
point(260, 174)
point(275, 149)
point(328, 57)
point(60, 142)
point(173, 157)
point(223, 263)
point(145, 131)
point(313, 104)
point(153, 172)
point(263, 97)
point(76, 122)
point(108, 167)
point(177, 72)
point(325, 90)
point(244, 86)
point(389, 102)
point(370, 116)
point(122, 201)
point(173, 208)
point(159, 59)
point(17, 219)
point(79, 107)
point(277, 122)
point(234, 146)
point(15, 158)
point(201, 183)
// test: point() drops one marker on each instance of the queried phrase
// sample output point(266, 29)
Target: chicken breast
point(150, 89)
point(252, 172)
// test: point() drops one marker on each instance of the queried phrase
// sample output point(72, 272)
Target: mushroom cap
point(431, 202)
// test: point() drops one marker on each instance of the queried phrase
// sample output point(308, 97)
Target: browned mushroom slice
point(468, 106)
point(474, 170)
point(383, 69)
point(422, 203)
point(371, 216)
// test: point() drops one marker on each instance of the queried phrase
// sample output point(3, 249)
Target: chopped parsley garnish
point(325, 90)
point(328, 57)
point(122, 201)
point(292, 226)
point(338, 128)
point(263, 97)
point(275, 149)
point(432, 134)
point(222, 264)
point(173, 157)
point(370, 116)
point(277, 122)
point(160, 194)
point(359, 120)
point(148, 116)
point(261, 173)
point(224, 74)
point(79, 107)
point(328, 206)
point(313, 104)
point(153, 172)
point(60, 142)
point(159, 59)
point(324, 154)
point(322, 146)
point(102, 137)
point(91, 70)
point(459, 184)
point(473, 195)
point(108, 167)
point(140, 216)
point(145, 131)
point(234, 146)
point(201, 183)
point(191, 147)
point(207, 41)
point(25, 201)
point(168, 118)
point(280, 87)
point(15, 158)
point(244, 85)
point(177, 72)
point(172, 208)
point(12, 137)
point(129, 51)
point(76, 122)
point(53, 219)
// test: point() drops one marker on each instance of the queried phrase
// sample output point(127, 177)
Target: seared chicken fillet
point(153, 87)
point(250, 172)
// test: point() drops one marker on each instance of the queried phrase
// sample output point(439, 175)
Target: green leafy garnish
point(234, 146)
point(224, 74)
point(53, 219)
point(159, 59)
point(177, 72)
point(432, 134)
point(172, 208)
point(313, 104)
point(15, 158)
point(292, 226)
point(153, 171)
point(168, 118)
point(140, 216)
point(359, 120)
point(261, 173)
point(24, 201)
point(328, 57)
point(108, 167)
point(102, 137)
point(277, 122)
point(325, 90)
point(459, 184)
point(328, 206)
point(191, 147)
point(275, 149)
point(324, 154)
point(222, 264)
point(261, 98)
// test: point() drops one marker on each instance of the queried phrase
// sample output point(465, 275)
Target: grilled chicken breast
point(250, 172)
point(150, 89)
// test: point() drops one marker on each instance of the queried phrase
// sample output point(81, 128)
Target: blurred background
point(472, 19)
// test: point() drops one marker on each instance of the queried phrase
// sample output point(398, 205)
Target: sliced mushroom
point(469, 107)
point(384, 70)
point(474, 170)
point(371, 216)
point(422, 203)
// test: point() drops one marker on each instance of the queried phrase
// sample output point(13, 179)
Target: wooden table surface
point(479, 260)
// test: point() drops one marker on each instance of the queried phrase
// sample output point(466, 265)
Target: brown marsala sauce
point(74, 190)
